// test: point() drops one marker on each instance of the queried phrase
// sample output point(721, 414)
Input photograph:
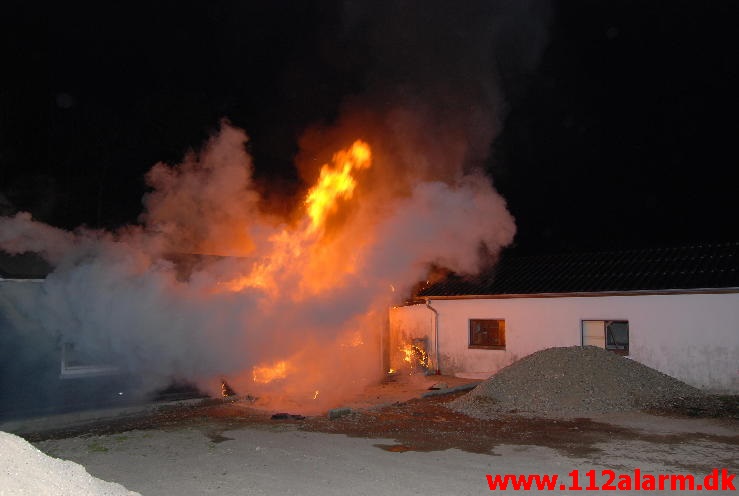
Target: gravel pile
point(573, 382)
point(24, 470)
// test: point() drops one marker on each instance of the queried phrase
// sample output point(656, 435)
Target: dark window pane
point(487, 332)
point(617, 335)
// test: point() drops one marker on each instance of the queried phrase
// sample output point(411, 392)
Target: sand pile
point(573, 382)
point(24, 470)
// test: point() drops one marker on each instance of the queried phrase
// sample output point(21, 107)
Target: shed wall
point(693, 337)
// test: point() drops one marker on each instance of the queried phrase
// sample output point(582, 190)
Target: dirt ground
point(393, 442)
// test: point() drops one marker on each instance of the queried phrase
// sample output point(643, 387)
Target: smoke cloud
point(208, 286)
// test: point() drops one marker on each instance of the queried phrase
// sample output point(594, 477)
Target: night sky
point(618, 127)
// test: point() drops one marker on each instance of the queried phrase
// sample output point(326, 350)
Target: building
point(673, 309)
point(42, 371)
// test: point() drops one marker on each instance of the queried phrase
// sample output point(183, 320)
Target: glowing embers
point(226, 389)
point(336, 182)
point(415, 357)
point(410, 358)
point(267, 374)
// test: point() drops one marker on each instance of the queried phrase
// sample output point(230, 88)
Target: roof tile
point(702, 266)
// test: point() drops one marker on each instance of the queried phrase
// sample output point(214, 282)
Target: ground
point(393, 442)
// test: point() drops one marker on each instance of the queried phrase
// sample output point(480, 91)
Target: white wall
point(694, 338)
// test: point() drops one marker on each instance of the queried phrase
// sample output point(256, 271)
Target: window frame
point(71, 368)
point(625, 348)
point(501, 334)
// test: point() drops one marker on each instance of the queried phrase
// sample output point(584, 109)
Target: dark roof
point(705, 266)
point(23, 266)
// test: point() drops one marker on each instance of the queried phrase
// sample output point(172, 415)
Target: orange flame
point(266, 374)
point(297, 251)
point(336, 183)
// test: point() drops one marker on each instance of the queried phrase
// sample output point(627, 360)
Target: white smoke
point(137, 297)
point(119, 295)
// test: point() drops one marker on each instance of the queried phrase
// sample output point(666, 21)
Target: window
point(487, 334)
point(617, 336)
point(76, 363)
point(612, 335)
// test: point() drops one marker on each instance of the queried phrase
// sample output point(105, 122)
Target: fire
point(226, 390)
point(299, 258)
point(408, 353)
point(286, 303)
point(267, 374)
point(286, 248)
point(336, 183)
point(301, 250)
point(415, 356)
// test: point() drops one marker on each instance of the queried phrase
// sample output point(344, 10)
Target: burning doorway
point(416, 355)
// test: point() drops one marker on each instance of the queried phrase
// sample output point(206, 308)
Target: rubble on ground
point(339, 412)
point(287, 416)
point(573, 382)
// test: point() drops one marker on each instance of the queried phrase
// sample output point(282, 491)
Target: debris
point(439, 385)
point(391, 376)
point(339, 412)
point(287, 416)
point(450, 390)
point(226, 389)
